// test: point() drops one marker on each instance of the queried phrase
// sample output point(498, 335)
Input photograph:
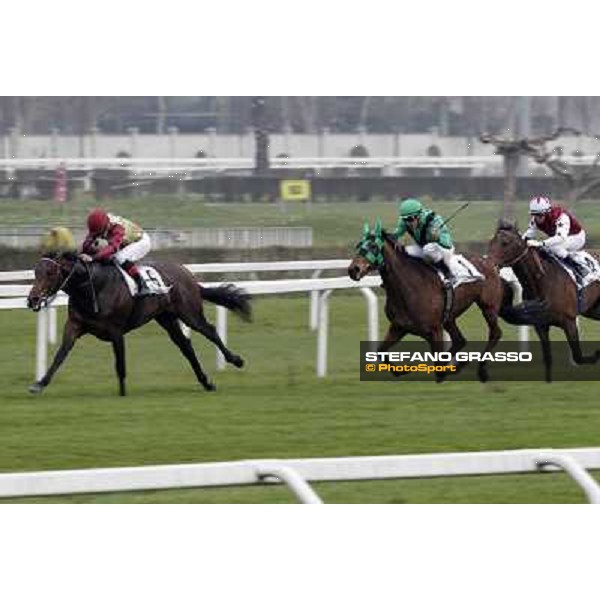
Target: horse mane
point(70, 255)
point(507, 225)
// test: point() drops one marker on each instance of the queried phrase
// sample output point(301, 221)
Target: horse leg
point(436, 343)
point(199, 323)
point(70, 334)
point(458, 343)
point(494, 335)
point(544, 335)
point(118, 344)
point(572, 334)
point(171, 326)
point(394, 334)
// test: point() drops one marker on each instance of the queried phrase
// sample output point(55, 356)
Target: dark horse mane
point(70, 255)
point(506, 225)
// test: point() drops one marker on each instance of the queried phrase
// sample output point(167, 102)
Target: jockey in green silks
point(432, 236)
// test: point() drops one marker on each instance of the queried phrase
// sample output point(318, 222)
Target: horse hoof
point(209, 386)
point(36, 388)
point(237, 361)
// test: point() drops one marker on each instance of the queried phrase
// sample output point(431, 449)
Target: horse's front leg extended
point(71, 332)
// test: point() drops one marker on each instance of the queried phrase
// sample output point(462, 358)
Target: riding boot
point(142, 286)
point(143, 289)
point(576, 268)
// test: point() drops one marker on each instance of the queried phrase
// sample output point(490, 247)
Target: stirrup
point(144, 290)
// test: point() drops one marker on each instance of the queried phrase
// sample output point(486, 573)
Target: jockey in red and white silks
point(566, 235)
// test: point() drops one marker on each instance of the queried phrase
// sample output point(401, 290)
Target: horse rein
point(522, 255)
point(49, 299)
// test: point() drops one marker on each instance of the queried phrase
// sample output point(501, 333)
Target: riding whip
point(455, 213)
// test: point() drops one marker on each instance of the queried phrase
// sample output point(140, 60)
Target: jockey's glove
point(535, 243)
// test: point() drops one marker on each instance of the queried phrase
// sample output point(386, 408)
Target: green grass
point(334, 224)
point(277, 408)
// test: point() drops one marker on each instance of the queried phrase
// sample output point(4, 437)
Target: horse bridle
point(44, 302)
point(521, 256)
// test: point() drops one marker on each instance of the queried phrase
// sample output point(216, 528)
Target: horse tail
point(231, 297)
point(530, 312)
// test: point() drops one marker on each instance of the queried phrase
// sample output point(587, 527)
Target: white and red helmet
point(539, 205)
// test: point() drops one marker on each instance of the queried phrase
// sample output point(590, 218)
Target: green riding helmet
point(410, 208)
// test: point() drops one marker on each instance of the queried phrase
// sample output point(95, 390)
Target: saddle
point(581, 267)
point(151, 276)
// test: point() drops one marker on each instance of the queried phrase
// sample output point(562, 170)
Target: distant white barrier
point(296, 473)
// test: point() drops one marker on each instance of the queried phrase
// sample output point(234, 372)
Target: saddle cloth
point(152, 278)
point(589, 266)
point(463, 271)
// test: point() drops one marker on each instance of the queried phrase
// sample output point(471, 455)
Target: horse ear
point(378, 227)
point(507, 224)
point(366, 229)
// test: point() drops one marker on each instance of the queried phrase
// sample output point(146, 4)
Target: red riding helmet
point(97, 221)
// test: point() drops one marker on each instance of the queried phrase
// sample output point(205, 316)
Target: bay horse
point(543, 279)
point(415, 297)
point(101, 304)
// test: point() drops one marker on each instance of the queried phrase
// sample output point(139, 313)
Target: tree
point(261, 135)
point(580, 179)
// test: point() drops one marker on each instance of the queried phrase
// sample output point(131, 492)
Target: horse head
point(507, 246)
point(369, 252)
point(51, 274)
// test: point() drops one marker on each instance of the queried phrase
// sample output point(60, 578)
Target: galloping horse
point(543, 279)
point(415, 296)
point(101, 304)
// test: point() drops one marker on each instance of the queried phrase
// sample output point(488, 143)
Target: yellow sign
point(295, 189)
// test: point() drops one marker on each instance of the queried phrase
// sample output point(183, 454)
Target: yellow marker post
point(294, 190)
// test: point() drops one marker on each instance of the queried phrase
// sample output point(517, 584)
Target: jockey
point(566, 235)
point(428, 230)
point(123, 239)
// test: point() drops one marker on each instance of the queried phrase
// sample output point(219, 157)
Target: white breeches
point(432, 252)
point(563, 247)
point(135, 251)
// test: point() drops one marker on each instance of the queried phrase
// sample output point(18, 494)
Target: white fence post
point(222, 331)
point(41, 344)
point(52, 325)
point(323, 333)
point(372, 314)
point(299, 486)
point(314, 305)
point(185, 330)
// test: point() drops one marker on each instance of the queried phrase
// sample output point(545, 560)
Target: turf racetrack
point(276, 408)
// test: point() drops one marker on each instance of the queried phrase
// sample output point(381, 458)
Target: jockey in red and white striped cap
point(566, 235)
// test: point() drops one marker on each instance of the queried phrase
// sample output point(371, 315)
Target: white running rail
point(297, 473)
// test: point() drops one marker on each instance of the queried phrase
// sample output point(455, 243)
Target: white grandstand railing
point(308, 161)
point(157, 166)
point(248, 163)
point(296, 473)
